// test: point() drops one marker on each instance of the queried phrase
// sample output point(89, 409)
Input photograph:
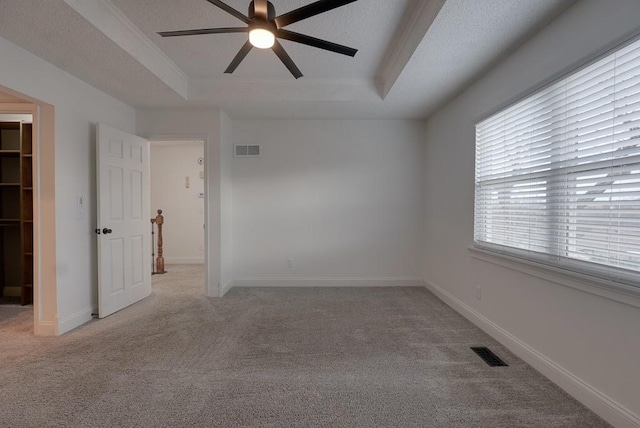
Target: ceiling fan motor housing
point(271, 11)
point(259, 22)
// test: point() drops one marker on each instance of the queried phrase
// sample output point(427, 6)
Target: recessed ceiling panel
point(366, 25)
point(466, 38)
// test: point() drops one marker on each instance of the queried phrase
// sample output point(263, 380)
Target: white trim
point(45, 328)
point(328, 282)
point(45, 302)
point(184, 260)
point(72, 321)
point(597, 401)
point(45, 289)
point(589, 284)
point(181, 143)
point(17, 108)
point(405, 44)
point(226, 287)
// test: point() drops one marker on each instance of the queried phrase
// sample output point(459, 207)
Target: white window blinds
point(558, 173)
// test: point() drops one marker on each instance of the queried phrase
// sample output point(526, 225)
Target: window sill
point(589, 284)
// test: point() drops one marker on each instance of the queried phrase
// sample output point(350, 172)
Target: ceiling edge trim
point(176, 143)
point(316, 90)
point(413, 28)
point(107, 18)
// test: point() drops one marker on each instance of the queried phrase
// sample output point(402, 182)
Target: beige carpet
point(331, 357)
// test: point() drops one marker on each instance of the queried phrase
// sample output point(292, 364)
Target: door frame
point(45, 303)
point(209, 289)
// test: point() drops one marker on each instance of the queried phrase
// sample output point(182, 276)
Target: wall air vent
point(244, 151)
point(488, 356)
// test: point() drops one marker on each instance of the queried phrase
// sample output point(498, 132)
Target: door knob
point(106, 231)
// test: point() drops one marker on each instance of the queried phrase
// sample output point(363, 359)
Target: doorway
point(178, 195)
point(42, 253)
point(16, 210)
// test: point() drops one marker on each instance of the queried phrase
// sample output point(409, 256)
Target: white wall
point(343, 199)
point(588, 344)
point(201, 124)
point(183, 208)
point(78, 107)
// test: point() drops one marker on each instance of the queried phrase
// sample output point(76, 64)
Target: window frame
point(625, 287)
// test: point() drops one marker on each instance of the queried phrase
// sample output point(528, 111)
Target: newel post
point(159, 221)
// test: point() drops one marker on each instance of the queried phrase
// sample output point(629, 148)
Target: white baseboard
point(226, 287)
point(72, 321)
point(183, 260)
point(598, 402)
point(213, 290)
point(45, 328)
point(328, 282)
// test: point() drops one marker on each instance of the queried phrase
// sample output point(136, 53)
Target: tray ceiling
point(413, 54)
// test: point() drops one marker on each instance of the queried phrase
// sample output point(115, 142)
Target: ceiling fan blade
point(261, 9)
point(286, 59)
point(204, 31)
point(317, 43)
point(230, 10)
point(244, 50)
point(308, 11)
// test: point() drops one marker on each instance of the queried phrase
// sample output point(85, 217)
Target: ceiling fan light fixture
point(264, 27)
point(261, 38)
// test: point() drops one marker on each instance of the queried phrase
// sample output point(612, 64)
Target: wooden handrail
point(158, 221)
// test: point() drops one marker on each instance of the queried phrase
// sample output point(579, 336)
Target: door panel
point(124, 236)
point(116, 194)
point(116, 265)
point(137, 255)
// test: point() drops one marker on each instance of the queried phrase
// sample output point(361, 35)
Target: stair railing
point(157, 265)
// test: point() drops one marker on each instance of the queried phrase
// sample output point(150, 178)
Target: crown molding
point(317, 90)
point(413, 28)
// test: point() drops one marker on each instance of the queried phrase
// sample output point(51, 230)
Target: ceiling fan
point(264, 28)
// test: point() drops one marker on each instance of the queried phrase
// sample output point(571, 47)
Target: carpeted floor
point(278, 357)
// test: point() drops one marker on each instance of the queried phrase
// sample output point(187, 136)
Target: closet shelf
point(16, 203)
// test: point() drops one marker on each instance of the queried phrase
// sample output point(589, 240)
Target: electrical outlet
point(478, 292)
point(290, 263)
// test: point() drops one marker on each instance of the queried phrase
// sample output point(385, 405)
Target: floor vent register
point(488, 356)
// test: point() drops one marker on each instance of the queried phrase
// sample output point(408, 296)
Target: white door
point(124, 227)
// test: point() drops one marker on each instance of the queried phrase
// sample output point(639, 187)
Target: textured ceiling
point(466, 39)
point(208, 55)
point(55, 32)
point(113, 45)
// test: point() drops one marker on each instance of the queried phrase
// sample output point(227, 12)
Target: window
point(558, 174)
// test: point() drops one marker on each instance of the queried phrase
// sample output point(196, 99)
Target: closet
point(16, 212)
